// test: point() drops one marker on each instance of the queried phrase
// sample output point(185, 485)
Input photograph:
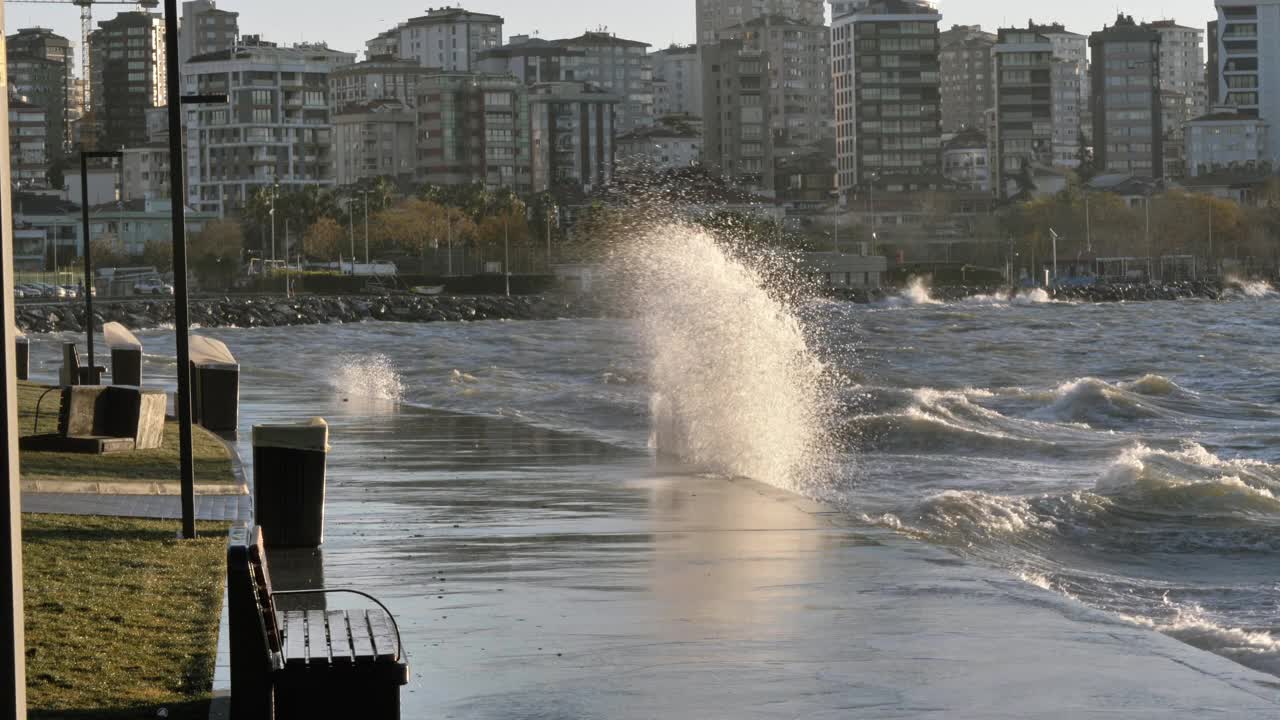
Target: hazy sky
point(345, 24)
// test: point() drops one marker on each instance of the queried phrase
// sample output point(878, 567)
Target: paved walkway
point(231, 508)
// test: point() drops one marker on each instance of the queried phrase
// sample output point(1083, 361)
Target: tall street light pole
point(88, 256)
point(13, 681)
point(182, 317)
point(366, 227)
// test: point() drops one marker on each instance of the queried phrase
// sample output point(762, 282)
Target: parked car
point(17, 292)
point(72, 291)
point(152, 286)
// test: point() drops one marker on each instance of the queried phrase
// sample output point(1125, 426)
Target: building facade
point(671, 144)
point(1072, 119)
point(375, 139)
point(446, 38)
point(618, 66)
point(1226, 142)
point(28, 144)
point(885, 61)
point(145, 172)
point(41, 68)
point(965, 161)
point(275, 129)
point(128, 76)
point(473, 128)
point(380, 78)
point(716, 15)
point(531, 60)
point(571, 136)
point(1127, 111)
point(1247, 67)
point(1183, 92)
point(737, 142)
point(205, 29)
point(967, 86)
point(677, 81)
point(1023, 130)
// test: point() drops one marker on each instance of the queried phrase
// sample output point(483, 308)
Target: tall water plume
point(738, 389)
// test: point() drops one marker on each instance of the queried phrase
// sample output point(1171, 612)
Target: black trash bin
point(215, 383)
point(288, 482)
point(22, 356)
point(126, 355)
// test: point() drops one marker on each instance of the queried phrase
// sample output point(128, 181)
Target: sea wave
point(1191, 478)
point(1257, 649)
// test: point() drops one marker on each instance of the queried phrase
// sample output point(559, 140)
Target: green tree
point(321, 239)
point(215, 253)
point(158, 254)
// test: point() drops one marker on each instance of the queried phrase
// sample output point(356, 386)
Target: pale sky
point(345, 24)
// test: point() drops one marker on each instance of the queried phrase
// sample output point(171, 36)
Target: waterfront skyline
point(658, 22)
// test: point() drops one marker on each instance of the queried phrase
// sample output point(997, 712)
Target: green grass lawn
point(212, 460)
point(122, 618)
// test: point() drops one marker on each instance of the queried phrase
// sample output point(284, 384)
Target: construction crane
point(86, 27)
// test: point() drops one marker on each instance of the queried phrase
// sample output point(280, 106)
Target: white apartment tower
point(1248, 69)
point(717, 15)
point(447, 38)
point(276, 127)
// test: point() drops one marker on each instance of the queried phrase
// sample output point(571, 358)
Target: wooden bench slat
point(317, 638)
point(384, 640)
point(295, 638)
point(339, 637)
point(361, 639)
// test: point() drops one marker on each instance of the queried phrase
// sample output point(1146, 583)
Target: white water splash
point(1251, 288)
point(916, 293)
point(738, 389)
point(367, 380)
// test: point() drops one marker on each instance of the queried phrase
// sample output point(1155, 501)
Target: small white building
point(845, 271)
point(1224, 141)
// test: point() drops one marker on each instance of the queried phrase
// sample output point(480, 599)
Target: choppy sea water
point(1125, 455)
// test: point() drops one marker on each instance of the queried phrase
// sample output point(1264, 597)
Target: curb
point(72, 487)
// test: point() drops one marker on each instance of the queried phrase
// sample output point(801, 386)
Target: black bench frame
point(305, 663)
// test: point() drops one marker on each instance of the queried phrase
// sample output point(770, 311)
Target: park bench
point(101, 419)
point(72, 373)
point(305, 663)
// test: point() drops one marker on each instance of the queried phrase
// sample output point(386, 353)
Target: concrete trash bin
point(126, 355)
point(215, 383)
point(288, 482)
point(22, 356)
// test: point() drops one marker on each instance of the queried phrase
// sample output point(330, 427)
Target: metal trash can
point(288, 482)
point(22, 356)
point(215, 383)
point(126, 355)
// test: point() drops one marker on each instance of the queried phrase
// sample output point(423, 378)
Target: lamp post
point(351, 233)
point(366, 226)
point(85, 155)
point(273, 223)
point(182, 317)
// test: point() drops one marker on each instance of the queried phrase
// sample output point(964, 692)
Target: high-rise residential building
point(448, 38)
point(885, 62)
point(571, 132)
point(968, 88)
point(798, 67)
point(128, 66)
point(674, 142)
point(1072, 119)
point(275, 129)
point(1128, 131)
point(677, 81)
point(716, 15)
point(1183, 94)
point(41, 68)
point(205, 29)
point(737, 142)
point(379, 78)
point(28, 151)
point(473, 128)
point(621, 68)
point(1245, 64)
point(1040, 79)
point(375, 139)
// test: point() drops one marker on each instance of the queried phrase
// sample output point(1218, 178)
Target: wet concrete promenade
point(543, 575)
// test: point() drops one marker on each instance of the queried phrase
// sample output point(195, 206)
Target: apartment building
point(128, 76)
point(41, 68)
point(447, 38)
point(473, 128)
point(966, 82)
point(571, 135)
point(275, 129)
point(204, 29)
point(1127, 112)
point(885, 61)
